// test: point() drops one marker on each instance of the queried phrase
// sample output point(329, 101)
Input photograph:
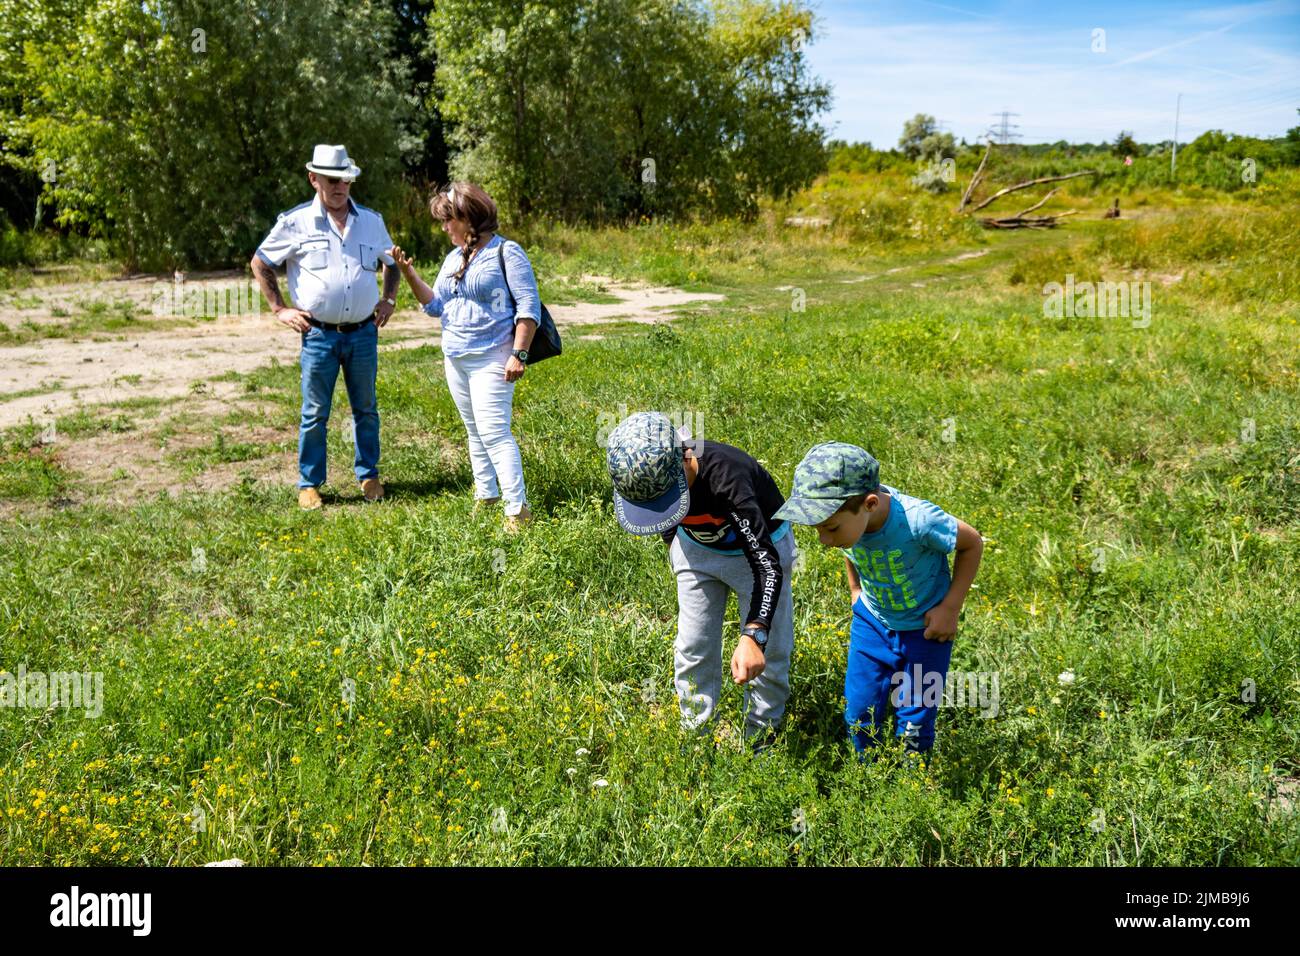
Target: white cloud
point(1161, 50)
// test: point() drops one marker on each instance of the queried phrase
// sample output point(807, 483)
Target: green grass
point(45, 389)
point(498, 678)
point(559, 290)
point(221, 450)
point(31, 475)
point(95, 317)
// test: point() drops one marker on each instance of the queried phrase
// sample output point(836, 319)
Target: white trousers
point(484, 399)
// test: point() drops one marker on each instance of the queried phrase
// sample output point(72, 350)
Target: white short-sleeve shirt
point(330, 275)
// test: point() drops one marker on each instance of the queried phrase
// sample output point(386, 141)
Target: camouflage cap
point(645, 456)
point(829, 474)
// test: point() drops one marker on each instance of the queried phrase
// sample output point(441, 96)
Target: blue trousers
point(899, 667)
point(324, 352)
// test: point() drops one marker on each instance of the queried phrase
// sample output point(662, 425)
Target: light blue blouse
point(478, 313)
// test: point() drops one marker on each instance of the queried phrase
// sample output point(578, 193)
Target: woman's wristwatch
point(521, 354)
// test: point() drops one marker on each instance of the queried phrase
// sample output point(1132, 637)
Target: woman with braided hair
point(488, 321)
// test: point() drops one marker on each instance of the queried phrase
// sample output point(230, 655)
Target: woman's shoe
point(482, 504)
point(516, 523)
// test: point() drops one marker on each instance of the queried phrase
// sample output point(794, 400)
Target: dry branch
point(1040, 202)
point(974, 180)
point(1033, 182)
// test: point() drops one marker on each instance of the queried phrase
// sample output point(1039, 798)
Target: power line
point(1285, 105)
point(1227, 98)
point(1002, 131)
point(1266, 102)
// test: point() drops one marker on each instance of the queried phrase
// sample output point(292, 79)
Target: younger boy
point(713, 506)
point(905, 602)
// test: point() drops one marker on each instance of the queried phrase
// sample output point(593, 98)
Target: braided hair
point(468, 203)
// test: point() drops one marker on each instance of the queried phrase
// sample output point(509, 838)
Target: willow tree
point(178, 128)
point(613, 109)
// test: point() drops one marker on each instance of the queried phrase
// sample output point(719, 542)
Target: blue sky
point(1236, 64)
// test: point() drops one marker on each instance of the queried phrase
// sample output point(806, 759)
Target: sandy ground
point(166, 361)
point(162, 356)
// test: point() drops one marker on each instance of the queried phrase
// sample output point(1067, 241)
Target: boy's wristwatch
point(756, 634)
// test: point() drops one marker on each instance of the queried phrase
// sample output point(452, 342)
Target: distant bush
point(15, 247)
point(26, 247)
point(932, 178)
point(862, 158)
point(1214, 160)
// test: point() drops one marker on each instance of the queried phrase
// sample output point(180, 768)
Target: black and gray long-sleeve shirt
point(732, 503)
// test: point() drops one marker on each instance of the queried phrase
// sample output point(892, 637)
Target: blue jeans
point(324, 352)
point(885, 664)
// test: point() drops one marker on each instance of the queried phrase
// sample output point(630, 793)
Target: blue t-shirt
point(904, 564)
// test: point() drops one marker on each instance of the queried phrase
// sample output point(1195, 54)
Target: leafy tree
point(20, 22)
point(922, 140)
point(1125, 145)
point(427, 160)
point(180, 127)
point(1290, 146)
point(614, 109)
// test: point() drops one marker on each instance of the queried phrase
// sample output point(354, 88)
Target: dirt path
point(48, 377)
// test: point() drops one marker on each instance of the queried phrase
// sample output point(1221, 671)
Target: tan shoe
point(482, 504)
point(516, 523)
point(309, 499)
point(372, 489)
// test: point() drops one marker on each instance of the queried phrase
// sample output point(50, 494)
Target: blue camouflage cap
point(645, 456)
point(829, 475)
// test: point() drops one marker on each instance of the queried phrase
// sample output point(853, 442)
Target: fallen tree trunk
point(1033, 182)
point(1025, 222)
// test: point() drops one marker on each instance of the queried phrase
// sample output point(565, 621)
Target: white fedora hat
point(333, 161)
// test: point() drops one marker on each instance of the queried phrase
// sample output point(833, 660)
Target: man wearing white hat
point(333, 248)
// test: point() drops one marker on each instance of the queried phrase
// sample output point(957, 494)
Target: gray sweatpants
point(704, 579)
